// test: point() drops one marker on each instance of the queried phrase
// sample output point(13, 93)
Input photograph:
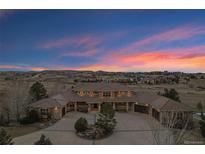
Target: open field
point(189, 96)
point(20, 131)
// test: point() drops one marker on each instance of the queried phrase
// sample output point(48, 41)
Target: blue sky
point(110, 40)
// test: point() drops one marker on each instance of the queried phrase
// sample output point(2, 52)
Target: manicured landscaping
point(103, 127)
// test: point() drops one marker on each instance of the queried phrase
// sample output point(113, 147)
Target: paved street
point(132, 128)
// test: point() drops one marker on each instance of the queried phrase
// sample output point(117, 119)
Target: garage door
point(141, 108)
point(120, 107)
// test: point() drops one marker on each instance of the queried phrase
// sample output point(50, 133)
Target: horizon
point(107, 40)
point(26, 71)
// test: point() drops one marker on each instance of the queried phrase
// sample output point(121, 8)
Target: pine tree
point(38, 91)
point(200, 108)
point(81, 125)
point(172, 94)
point(43, 141)
point(106, 118)
point(5, 138)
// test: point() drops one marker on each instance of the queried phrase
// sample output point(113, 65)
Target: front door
point(94, 107)
point(63, 111)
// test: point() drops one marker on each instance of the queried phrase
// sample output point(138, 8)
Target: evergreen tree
point(5, 138)
point(172, 94)
point(107, 109)
point(106, 119)
point(200, 108)
point(38, 91)
point(43, 141)
point(202, 126)
point(81, 125)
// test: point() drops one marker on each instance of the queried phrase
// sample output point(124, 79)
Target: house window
point(95, 93)
point(82, 93)
point(91, 93)
point(129, 93)
point(106, 94)
point(44, 111)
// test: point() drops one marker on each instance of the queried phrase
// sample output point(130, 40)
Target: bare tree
point(6, 112)
point(17, 92)
point(172, 129)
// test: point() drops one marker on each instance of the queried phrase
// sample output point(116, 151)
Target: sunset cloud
point(17, 67)
point(85, 41)
point(120, 40)
point(175, 34)
point(10, 67)
point(86, 53)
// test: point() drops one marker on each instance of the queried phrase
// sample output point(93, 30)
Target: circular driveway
point(131, 129)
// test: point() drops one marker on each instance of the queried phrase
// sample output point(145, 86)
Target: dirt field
point(189, 96)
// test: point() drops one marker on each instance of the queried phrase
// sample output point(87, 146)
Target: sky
point(108, 40)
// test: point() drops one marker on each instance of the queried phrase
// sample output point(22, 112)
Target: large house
point(88, 97)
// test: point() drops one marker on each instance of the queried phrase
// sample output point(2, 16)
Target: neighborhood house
point(88, 97)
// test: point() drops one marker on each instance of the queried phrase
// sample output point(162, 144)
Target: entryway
point(94, 107)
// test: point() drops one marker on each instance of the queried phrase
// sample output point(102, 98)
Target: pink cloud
point(85, 41)
point(10, 67)
point(23, 67)
point(179, 33)
point(86, 53)
point(171, 59)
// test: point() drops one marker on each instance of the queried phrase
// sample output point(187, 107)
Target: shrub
point(5, 139)
point(172, 94)
point(107, 109)
point(105, 119)
point(81, 125)
point(200, 108)
point(105, 122)
point(25, 121)
point(202, 126)
point(32, 117)
point(43, 141)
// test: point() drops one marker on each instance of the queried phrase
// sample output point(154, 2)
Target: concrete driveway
point(132, 129)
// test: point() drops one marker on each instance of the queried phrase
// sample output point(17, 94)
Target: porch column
point(127, 106)
point(67, 108)
point(160, 117)
point(89, 107)
point(75, 106)
point(150, 110)
point(113, 105)
point(133, 107)
point(99, 107)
